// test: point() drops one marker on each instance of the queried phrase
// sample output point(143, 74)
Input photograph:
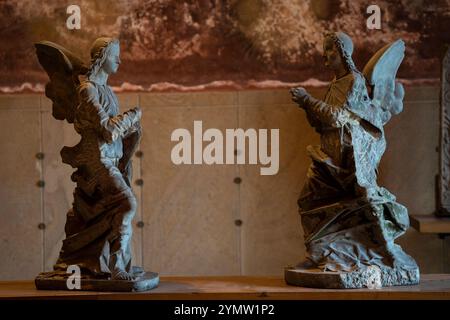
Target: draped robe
point(99, 224)
point(349, 222)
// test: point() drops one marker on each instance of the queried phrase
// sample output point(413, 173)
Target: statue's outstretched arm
point(327, 115)
point(111, 128)
point(319, 113)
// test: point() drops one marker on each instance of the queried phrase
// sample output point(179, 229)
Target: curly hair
point(99, 52)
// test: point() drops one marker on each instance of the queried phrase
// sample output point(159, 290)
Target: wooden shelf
point(431, 224)
point(432, 286)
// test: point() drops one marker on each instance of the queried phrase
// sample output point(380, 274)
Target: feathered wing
point(380, 73)
point(63, 69)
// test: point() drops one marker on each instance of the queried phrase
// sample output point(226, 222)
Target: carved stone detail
point(443, 205)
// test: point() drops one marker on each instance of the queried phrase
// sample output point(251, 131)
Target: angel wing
point(63, 69)
point(380, 73)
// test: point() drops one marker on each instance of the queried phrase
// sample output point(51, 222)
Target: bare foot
point(306, 264)
point(118, 274)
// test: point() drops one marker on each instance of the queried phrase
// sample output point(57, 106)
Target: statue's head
point(105, 55)
point(337, 51)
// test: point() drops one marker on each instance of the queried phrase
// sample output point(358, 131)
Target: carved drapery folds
point(443, 208)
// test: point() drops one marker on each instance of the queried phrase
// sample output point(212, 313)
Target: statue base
point(370, 277)
point(57, 280)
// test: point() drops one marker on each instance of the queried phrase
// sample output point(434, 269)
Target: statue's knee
point(131, 203)
point(129, 209)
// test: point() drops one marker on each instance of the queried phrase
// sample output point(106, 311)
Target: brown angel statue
point(349, 222)
point(99, 224)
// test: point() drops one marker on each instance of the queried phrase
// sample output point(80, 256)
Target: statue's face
point(331, 55)
point(112, 61)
